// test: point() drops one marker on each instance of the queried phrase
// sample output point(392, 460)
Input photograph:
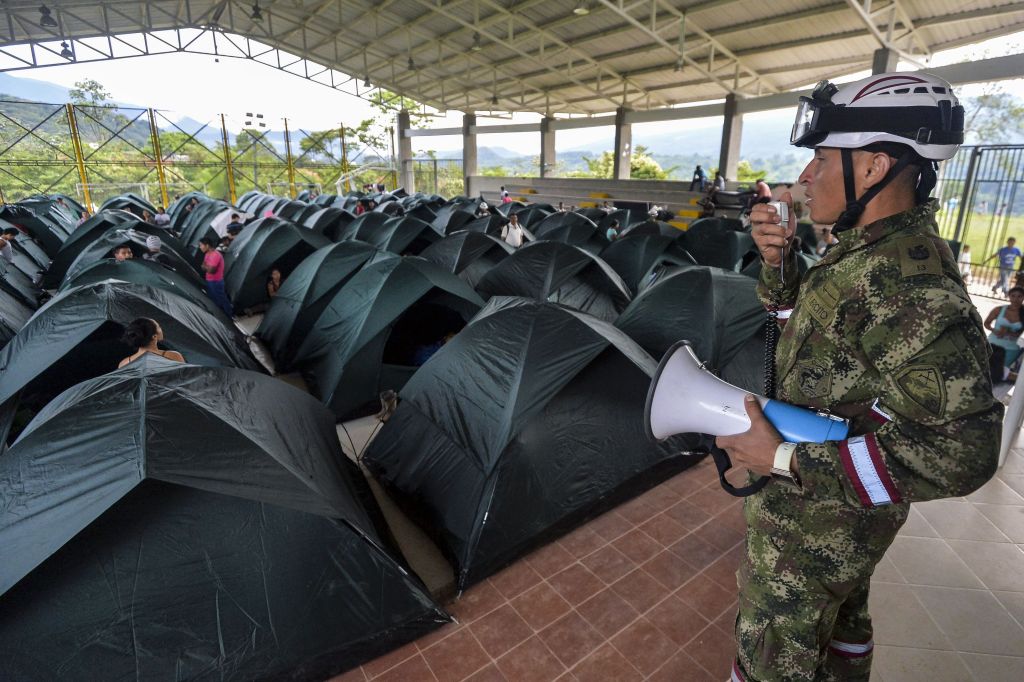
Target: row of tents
point(198, 520)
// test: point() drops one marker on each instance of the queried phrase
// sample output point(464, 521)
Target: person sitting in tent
point(123, 252)
point(161, 219)
point(85, 216)
point(153, 252)
point(147, 217)
point(235, 226)
point(483, 211)
point(273, 282)
point(144, 335)
point(612, 233)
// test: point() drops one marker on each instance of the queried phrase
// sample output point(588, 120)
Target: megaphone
point(687, 398)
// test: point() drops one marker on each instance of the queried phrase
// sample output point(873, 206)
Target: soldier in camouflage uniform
point(882, 332)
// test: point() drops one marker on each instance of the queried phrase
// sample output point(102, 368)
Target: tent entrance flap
point(424, 325)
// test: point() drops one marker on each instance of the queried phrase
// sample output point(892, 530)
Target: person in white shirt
point(964, 261)
point(162, 219)
point(513, 232)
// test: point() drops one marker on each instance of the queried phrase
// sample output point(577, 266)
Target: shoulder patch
point(923, 385)
point(918, 256)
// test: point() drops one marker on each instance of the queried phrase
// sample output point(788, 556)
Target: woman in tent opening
point(144, 334)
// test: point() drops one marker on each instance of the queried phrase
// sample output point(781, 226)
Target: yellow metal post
point(344, 160)
point(155, 134)
point(290, 160)
point(227, 159)
point(76, 143)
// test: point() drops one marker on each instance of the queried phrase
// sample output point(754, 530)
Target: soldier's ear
point(876, 166)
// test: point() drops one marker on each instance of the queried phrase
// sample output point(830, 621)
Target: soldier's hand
point(755, 447)
point(769, 236)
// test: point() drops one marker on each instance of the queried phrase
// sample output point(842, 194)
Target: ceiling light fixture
point(476, 43)
point(256, 14)
point(366, 81)
point(411, 65)
point(494, 100)
point(66, 52)
point(582, 9)
point(45, 18)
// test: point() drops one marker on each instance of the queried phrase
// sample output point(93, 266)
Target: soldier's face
point(823, 186)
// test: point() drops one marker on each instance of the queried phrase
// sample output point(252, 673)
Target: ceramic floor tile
point(1009, 519)
point(1000, 565)
point(960, 520)
point(1014, 481)
point(1014, 464)
point(903, 664)
point(886, 572)
point(996, 492)
point(1014, 603)
point(987, 668)
point(916, 526)
point(901, 620)
point(974, 619)
point(930, 561)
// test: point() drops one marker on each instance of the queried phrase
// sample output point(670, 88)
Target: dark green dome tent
point(13, 316)
point(146, 273)
point(329, 222)
point(402, 235)
point(452, 218)
point(157, 527)
point(491, 224)
point(77, 335)
point(470, 255)
point(531, 214)
point(510, 207)
point(29, 258)
point(93, 230)
point(48, 232)
point(282, 247)
point(520, 428)
point(364, 228)
point(305, 294)
point(636, 258)
point(421, 211)
point(371, 334)
point(16, 283)
point(249, 231)
point(711, 243)
point(560, 273)
point(717, 311)
point(198, 224)
point(130, 202)
point(577, 233)
point(135, 236)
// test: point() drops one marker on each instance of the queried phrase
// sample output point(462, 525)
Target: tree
point(641, 166)
point(91, 93)
point(993, 117)
point(745, 172)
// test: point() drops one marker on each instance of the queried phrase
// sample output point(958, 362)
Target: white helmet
point(913, 109)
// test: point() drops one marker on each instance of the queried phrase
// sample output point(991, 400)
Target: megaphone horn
point(687, 398)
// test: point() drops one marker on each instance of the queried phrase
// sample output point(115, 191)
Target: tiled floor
point(647, 591)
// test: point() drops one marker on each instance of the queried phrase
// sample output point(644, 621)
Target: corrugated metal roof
point(549, 55)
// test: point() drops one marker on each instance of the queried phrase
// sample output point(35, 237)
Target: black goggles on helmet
point(817, 116)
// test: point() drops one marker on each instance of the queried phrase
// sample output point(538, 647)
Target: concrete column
point(547, 147)
point(469, 156)
point(623, 146)
point(732, 132)
point(884, 60)
point(406, 176)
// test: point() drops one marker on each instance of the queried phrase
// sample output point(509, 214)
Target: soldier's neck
point(887, 203)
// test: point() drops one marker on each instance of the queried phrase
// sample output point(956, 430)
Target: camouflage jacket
point(881, 331)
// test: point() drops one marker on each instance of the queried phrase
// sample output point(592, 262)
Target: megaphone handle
point(723, 464)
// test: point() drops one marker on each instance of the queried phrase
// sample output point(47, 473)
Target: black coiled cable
point(771, 340)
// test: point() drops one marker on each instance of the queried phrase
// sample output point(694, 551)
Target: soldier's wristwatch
point(780, 468)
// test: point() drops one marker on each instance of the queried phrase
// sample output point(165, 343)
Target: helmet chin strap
point(855, 206)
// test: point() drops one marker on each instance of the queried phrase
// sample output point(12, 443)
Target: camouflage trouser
point(803, 602)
